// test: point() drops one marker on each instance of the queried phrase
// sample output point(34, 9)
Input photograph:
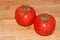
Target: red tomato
point(44, 24)
point(25, 15)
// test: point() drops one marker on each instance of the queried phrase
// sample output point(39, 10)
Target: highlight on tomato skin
point(25, 15)
point(44, 24)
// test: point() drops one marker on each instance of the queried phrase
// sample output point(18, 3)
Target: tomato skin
point(25, 18)
point(44, 27)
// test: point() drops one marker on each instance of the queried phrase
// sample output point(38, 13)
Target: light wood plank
point(9, 28)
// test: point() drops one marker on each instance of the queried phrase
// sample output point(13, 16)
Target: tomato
point(44, 24)
point(25, 15)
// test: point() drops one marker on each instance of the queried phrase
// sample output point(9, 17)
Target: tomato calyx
point(25, 9)
point(45, 17)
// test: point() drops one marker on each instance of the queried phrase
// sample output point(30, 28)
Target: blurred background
point(7, 7)
point(10, 30)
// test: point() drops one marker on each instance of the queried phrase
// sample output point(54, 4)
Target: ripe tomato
point(25, 15)
point(44, 24)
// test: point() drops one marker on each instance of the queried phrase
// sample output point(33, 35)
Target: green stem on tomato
point(25, 9)
point(46, 17)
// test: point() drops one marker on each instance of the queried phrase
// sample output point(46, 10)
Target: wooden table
point(10, 30)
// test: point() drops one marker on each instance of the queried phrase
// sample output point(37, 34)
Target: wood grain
point(10, 30)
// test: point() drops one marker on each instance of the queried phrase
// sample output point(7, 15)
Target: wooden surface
point(10, 30)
